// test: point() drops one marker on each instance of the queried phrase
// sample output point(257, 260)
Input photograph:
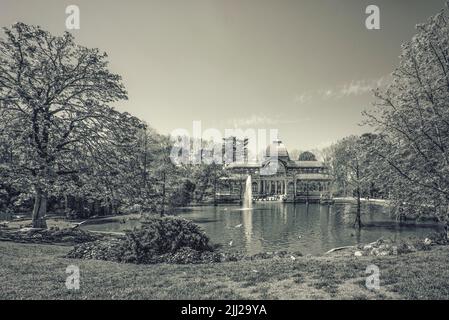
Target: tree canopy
point(412, 117)
point(57, 120)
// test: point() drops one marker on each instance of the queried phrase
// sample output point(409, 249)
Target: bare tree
point(350, 166)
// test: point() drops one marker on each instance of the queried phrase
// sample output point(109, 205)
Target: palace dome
point(307, 156)
point(276, 148)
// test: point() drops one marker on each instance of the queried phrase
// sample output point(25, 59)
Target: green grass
point(29, 271)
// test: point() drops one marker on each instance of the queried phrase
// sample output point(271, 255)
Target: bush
point(165, 239)
point(159, 236)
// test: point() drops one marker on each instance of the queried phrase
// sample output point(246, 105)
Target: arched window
point(290, 187)
point(254, 187)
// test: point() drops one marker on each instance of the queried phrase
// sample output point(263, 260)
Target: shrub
point(159, 236)
point(157, 240)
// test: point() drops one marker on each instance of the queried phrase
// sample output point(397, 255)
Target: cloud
point(302, 98)
point(359, 87)
point(345, 90)
point(258, 120)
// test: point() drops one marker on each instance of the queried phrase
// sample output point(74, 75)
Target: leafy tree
point(412, 115)
point(349, 162)
point(183, 194)
point(165, 176)
point(56, 118)
point(207, 181)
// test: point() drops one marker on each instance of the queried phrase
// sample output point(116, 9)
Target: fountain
point(248, 195)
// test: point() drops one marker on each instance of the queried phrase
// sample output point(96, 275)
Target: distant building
point(235, 150)
point(277, 177)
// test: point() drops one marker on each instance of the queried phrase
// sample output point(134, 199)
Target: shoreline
point(63, 224)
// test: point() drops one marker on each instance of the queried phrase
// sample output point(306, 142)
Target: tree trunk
point(444, 218)
point(163, 196)
point(66, 205)
point(39, 210)
point(446, 230)
point(358, 220)
point(215, 189)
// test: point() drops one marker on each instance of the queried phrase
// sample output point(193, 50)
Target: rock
point(427, 241)
point(297, 253)
point(68, 239)
point(367, 247)
point(30, 229)
point(358, 253)
point(379, 242)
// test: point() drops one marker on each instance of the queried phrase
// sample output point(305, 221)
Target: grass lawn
point(30, 271)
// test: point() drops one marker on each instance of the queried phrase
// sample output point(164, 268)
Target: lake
point(274, 226)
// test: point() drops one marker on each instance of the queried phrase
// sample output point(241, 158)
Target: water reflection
point(248, 227)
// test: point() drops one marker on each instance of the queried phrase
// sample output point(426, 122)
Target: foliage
point(61, 143)
point(164, 235)
point(158, 240)
point(412, 117)
point(307, 156)
point(61, 133)
point(183, 195)
point(350, 163)
point(207, 181)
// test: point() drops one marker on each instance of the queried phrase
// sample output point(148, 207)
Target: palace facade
point(277, 177)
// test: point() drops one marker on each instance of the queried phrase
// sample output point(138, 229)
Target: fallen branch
point(340, 248)
point(77, 224)
point(350, 247)
point(108, 232)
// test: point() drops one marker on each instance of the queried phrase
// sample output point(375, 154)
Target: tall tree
point(54, 106)
point(165, 175)
point(349, 166)
point(412, 115)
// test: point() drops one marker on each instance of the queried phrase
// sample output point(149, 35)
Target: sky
point(303, 67)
